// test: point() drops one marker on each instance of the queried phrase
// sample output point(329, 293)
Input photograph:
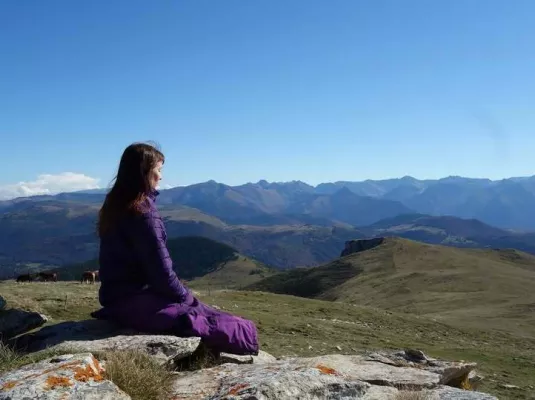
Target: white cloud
point(49, 184)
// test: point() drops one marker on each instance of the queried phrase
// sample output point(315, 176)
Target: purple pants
point(220, 331)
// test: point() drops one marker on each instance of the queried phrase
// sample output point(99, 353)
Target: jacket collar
point(153, 195)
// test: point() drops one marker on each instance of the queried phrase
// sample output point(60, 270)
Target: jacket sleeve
point(149, 243)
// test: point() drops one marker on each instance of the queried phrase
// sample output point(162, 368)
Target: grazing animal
point(25, 278)
point(48, 276)
point(88, 277)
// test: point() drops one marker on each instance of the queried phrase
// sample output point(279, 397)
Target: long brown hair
point(132, 184)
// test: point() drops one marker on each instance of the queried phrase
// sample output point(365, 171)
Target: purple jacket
point(134, 257)
point(140, 290)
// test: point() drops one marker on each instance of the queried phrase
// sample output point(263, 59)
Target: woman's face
point(156, 175)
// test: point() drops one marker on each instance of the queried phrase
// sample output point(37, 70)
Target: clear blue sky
point(239, 91)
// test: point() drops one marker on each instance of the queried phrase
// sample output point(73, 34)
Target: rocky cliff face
point(356, 246)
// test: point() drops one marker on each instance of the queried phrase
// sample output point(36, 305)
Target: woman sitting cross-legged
point(139, 287)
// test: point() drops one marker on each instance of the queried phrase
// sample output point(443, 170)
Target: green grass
point(291, 325)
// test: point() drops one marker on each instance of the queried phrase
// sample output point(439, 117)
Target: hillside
point(197, 259)
point(293, 326)
point(46, 234)
point(470, 287)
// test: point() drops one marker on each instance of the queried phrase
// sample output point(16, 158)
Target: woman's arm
point(149, 244)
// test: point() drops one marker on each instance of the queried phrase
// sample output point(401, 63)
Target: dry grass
point(8, 357)
point(11, 359)
point(138, 375)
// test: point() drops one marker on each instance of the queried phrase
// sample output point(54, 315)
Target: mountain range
point(284, 224)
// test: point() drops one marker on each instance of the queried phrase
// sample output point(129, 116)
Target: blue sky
point(239, 91)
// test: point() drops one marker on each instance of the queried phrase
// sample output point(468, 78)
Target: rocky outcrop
point(451, 374)
point(325, 377)
point(2, 303)
point(356, 246)
point(76, 376)
point(371, 376)
point(261, 358)
point(98, 336)
point(13, 322)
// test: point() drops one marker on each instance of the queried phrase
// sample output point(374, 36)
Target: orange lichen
point(64, 366)
point(235, 389)
point(97, 364)
point(84, 374)
point(9, 385)
point(53, 382)
point(326, 370)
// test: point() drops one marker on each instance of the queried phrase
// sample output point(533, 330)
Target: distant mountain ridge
point(507, 203)
point(283, 224)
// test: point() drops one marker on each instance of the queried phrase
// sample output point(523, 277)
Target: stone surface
point(73, 377)
point(261, 358)
point(97, 335)
point(80, 376)
point(14, 322)
point(356, 246)
point(2, 303)
point(325, 377)
point(449, 393)
point(451, 373)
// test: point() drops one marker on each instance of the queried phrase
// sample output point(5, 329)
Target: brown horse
point(89, 277)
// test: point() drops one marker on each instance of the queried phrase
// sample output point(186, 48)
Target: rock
point(70, 376)
point(334, 376)
point(451, 373)
point(14, 322)
point(2, 303)
point(416, 355)
point(97, 335)
point(449, 393)
point(261, 358)
point(475, 379)
point(91, 329)
point(356, 246)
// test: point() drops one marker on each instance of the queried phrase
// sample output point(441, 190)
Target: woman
point(139, 288)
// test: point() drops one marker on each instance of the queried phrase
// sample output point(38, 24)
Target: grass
point(11, 359)
point(296, 326)
point(138, 375)
point(488, 289)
